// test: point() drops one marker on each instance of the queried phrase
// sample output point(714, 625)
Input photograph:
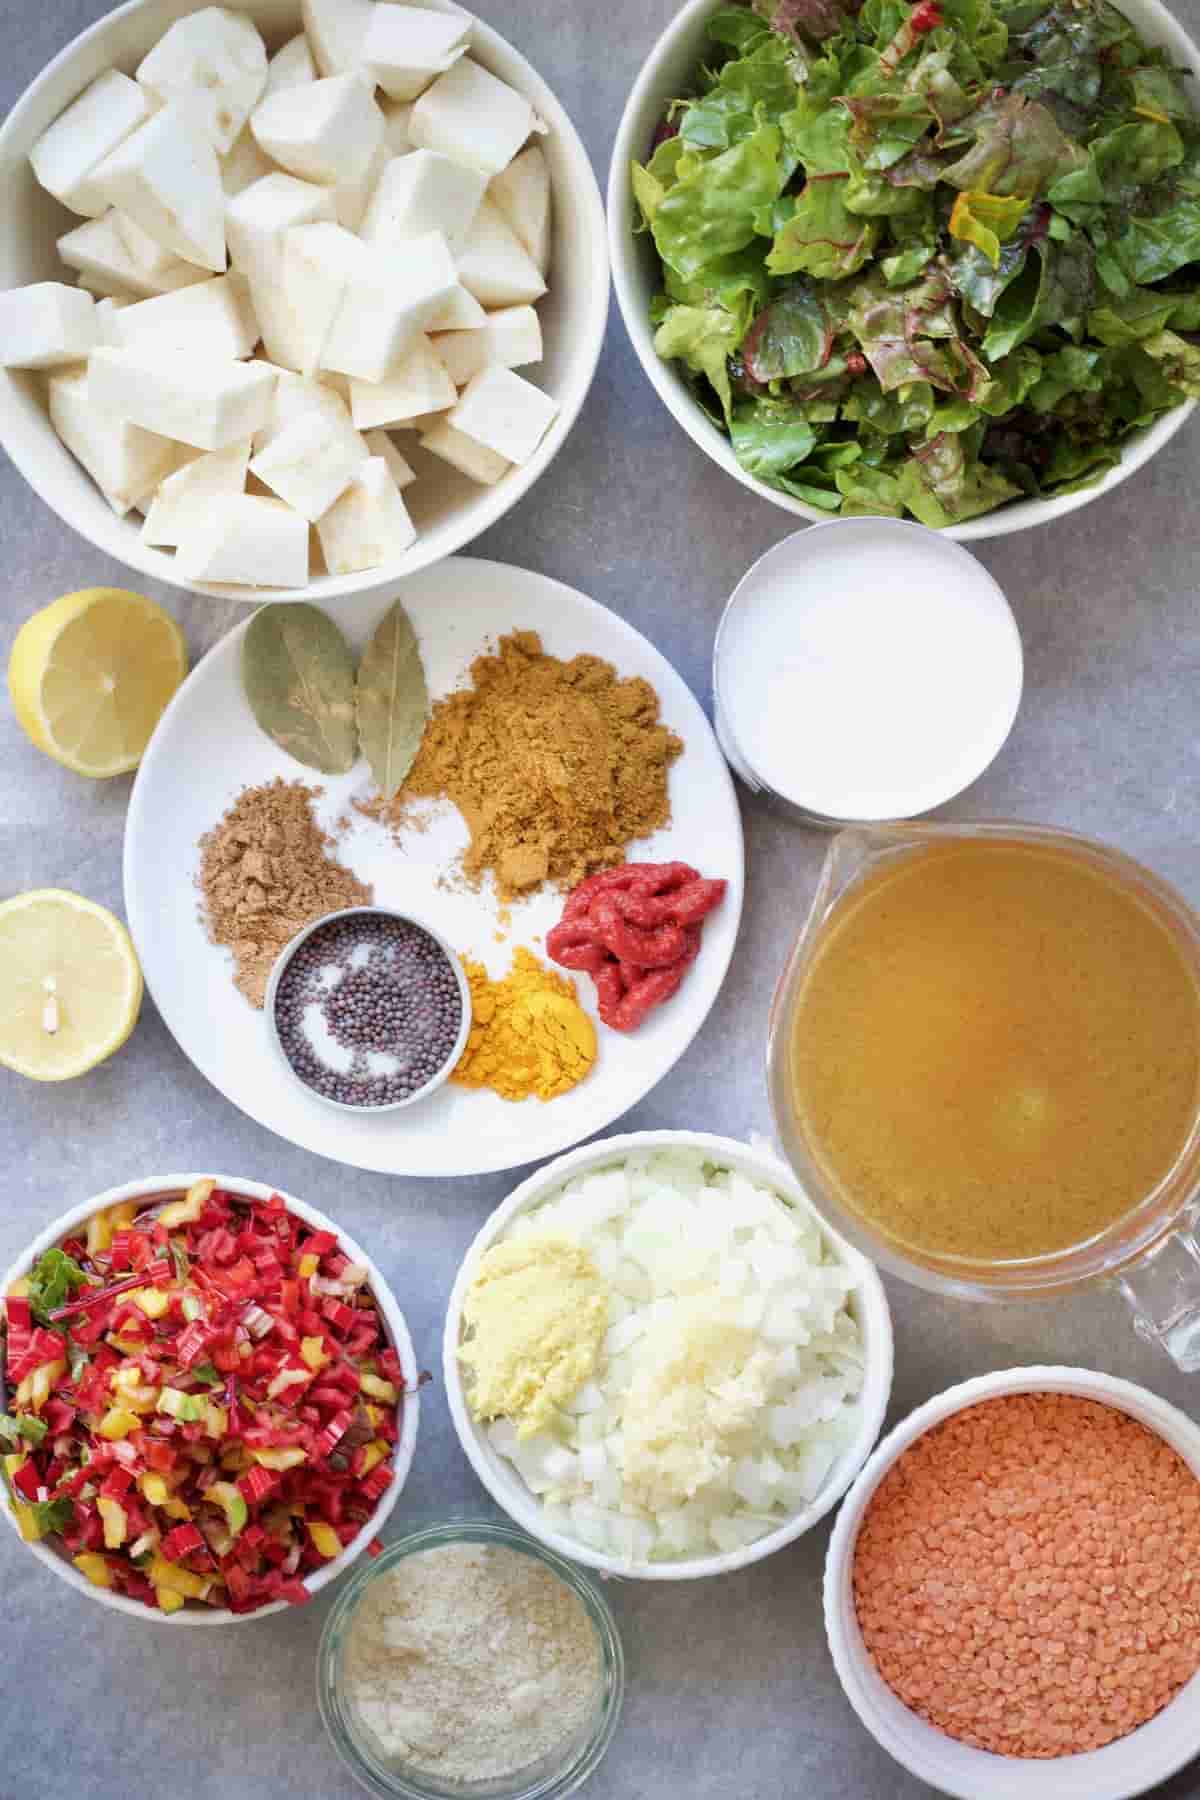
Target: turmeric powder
point(529, 1034)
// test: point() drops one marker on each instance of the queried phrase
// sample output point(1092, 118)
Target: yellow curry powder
point(529, 1034)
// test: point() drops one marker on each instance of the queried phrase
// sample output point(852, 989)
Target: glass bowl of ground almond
point(468, 1662)
point(1012, 1590)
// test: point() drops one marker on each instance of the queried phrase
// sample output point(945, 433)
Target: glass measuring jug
point(950, 1037)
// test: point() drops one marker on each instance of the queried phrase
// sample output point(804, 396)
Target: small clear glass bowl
point(561, 1771)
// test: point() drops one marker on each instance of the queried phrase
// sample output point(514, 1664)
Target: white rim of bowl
point(631, 145)
point(378, 912)
point(1086, 1775)
point(508, 1490)
point(586, 341)
point(398, 1331)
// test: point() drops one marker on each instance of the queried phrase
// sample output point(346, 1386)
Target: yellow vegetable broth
point(996, 1051)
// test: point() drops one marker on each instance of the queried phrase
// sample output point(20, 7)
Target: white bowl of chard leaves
point(937, 260)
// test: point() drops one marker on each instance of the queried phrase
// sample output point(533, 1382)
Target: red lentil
point(1027, 1575)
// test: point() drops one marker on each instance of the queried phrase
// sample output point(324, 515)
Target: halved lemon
point(90, 675)
point(70, 984)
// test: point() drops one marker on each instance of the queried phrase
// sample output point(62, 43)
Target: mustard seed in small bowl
point(369, 1009)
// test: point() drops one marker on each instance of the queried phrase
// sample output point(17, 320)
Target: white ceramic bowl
point(448, 509)
point(668, 73)
point(868, 1303)
point(56, 1558)
point(1121, 1769)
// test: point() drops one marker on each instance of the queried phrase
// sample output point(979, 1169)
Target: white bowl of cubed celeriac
point(348, 361)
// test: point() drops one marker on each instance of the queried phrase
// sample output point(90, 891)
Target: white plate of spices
point(534, 770)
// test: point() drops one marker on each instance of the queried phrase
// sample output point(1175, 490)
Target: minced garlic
point(697, 1388)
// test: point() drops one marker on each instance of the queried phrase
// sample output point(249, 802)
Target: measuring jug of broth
point(984, 1063)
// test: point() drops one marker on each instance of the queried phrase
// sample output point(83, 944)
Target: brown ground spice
point(1027, 1575)
point(555, 766)
point(265, 873)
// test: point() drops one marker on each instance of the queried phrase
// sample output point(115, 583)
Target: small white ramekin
point(397, 1331)
point(1130, 1765)
point(385, 912)
point(868, 1302)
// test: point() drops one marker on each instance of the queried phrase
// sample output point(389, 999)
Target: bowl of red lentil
point(1012, 1589)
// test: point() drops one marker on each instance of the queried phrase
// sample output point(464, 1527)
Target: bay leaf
point(391, 700)
point(298, 674)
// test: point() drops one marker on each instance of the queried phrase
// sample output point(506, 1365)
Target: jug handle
point(1162, 1291)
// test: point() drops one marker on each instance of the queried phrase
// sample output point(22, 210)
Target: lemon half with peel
point(70, 984)
point(90, 675)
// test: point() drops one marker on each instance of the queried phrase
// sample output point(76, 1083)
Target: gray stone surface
point(731, 1690)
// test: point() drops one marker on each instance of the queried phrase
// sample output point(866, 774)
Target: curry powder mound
point(555, 766)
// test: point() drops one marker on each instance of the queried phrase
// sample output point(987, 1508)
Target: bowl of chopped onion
point(208, 1399)
point(705, 1365)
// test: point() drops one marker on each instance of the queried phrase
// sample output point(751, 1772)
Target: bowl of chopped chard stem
point(939, 261)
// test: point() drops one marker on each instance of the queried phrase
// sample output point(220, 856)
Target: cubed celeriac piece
point(511, 337)
point(46, 325)
point(293, 397)
point(115, 255)
point(407, 46)
point(494, 265)
point(369, 525)
point(327, 131)
point(256, 221)
point(166, 178)
point(336, 30)
point(461, 312)
point(464, 453)
point(310, 462)
point(293, 66)
point(352, 198)
point(361, 305)
point(399, 291)
point(245, 164)
point(198, 400)
point(124, 461)
point(473, 117)
point(396, 114)
point(211, 65)
point(505, 413)
point(423, 192)
point(106, 311)
point(182, 501)
point(522, 194)
point(211, 319)
point(380, 444)
point(80, 138)
point(417, 384)
point(248, 538)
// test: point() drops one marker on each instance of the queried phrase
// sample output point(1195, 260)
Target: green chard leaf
point(22, 1430)
point(1179, 361)
point(1018, 149)
point(52, 1280)
point(748, 91)
point(709, 213)
point(53, 1515)
point(703, 338)
point(770, 437)
point(791, 336)
point(869, 491)
point(941, 485)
